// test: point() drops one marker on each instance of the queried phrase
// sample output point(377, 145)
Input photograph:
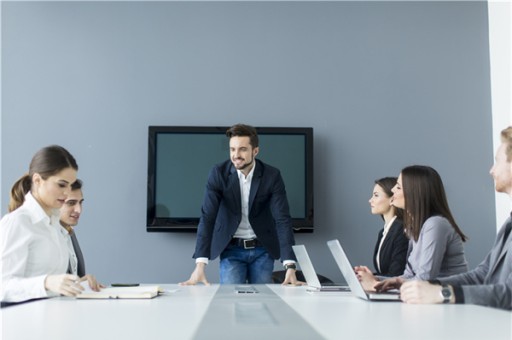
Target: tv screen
point(180, 158)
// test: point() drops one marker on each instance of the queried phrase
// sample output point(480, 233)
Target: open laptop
point(348, 272)
point(310, 275)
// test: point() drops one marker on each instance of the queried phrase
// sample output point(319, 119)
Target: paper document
point(141, 292)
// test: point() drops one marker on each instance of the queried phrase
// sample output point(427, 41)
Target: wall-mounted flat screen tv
point(181, 157)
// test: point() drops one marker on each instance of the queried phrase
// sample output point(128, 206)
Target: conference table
point(249, 312)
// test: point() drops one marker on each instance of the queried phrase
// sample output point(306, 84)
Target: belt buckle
point(249, 244)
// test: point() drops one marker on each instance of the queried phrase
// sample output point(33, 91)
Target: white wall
point(500, 40)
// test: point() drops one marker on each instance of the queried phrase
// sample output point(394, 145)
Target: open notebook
point(141, 292)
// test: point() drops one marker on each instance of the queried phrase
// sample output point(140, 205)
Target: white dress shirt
point(32, 246)
point(387, 226)
point(73, 259)
point(244, 230)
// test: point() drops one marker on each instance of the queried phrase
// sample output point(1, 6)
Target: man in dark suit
point(69, 216)
point(490, 283)
point(245, 217)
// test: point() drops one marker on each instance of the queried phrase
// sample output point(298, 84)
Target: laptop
point(355, 286)
point(310, 275)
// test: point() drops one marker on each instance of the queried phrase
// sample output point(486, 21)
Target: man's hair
point(506, 137)
point(76, 185)
point(242, 130)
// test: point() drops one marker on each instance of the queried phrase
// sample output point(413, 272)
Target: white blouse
point(73, 259)
point(32, 246)
point(387, 226)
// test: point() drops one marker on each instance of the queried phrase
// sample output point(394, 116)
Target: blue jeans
point(239, 265)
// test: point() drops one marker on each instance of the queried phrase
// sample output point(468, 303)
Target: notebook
point(142, 292)
point(310, 275)
point(348, 272)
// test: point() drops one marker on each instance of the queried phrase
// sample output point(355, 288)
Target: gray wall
point(383, 84)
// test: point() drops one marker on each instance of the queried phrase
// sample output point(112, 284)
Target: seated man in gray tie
point(69, 216)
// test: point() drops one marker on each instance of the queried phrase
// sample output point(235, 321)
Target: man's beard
point(245, 165)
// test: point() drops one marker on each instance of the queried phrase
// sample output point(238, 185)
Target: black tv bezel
point(170, 224)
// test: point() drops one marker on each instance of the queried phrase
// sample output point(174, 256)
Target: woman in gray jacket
point(435, 240)
point(490, 283)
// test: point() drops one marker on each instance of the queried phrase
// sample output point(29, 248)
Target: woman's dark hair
point(46, 162)
point(242, 130)
point(387, 183)
point(424, 197)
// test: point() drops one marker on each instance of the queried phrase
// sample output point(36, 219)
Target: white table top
point(179, 314)
point(335, 313)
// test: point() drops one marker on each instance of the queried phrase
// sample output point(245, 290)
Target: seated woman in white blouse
point(33, 245)
point(390, 252)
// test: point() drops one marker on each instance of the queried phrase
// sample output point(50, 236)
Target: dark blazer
point(221, 212)
point(393, 254)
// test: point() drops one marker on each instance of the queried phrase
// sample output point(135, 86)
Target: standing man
point(490, 283)
point(69, 216)
point(245, 217)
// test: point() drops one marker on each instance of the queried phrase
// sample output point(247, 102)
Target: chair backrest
point(278, 277)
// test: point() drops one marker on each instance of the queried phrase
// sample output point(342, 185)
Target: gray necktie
point(79, 256)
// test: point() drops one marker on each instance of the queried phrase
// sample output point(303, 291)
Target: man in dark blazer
point(245, 217)
point(490, 283)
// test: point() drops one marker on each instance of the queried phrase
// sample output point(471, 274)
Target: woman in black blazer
point(390, 252)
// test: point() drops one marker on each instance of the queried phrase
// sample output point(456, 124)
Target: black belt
point(246, 244)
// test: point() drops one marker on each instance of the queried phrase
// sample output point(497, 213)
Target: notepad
point(141, 292)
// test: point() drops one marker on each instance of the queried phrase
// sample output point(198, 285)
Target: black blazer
point(221, 212)
point(393, 254)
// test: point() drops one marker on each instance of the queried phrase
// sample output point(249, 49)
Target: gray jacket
point(439, 252)
point(489, 284)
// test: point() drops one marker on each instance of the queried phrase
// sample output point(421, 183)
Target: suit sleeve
point(209, 210)
point(493, 295)
point(476, 289)
point(281, 214)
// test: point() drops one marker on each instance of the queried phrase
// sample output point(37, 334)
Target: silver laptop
point(348, 272)
point(310, 275)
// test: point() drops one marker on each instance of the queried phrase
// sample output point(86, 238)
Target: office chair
point(278, 277)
